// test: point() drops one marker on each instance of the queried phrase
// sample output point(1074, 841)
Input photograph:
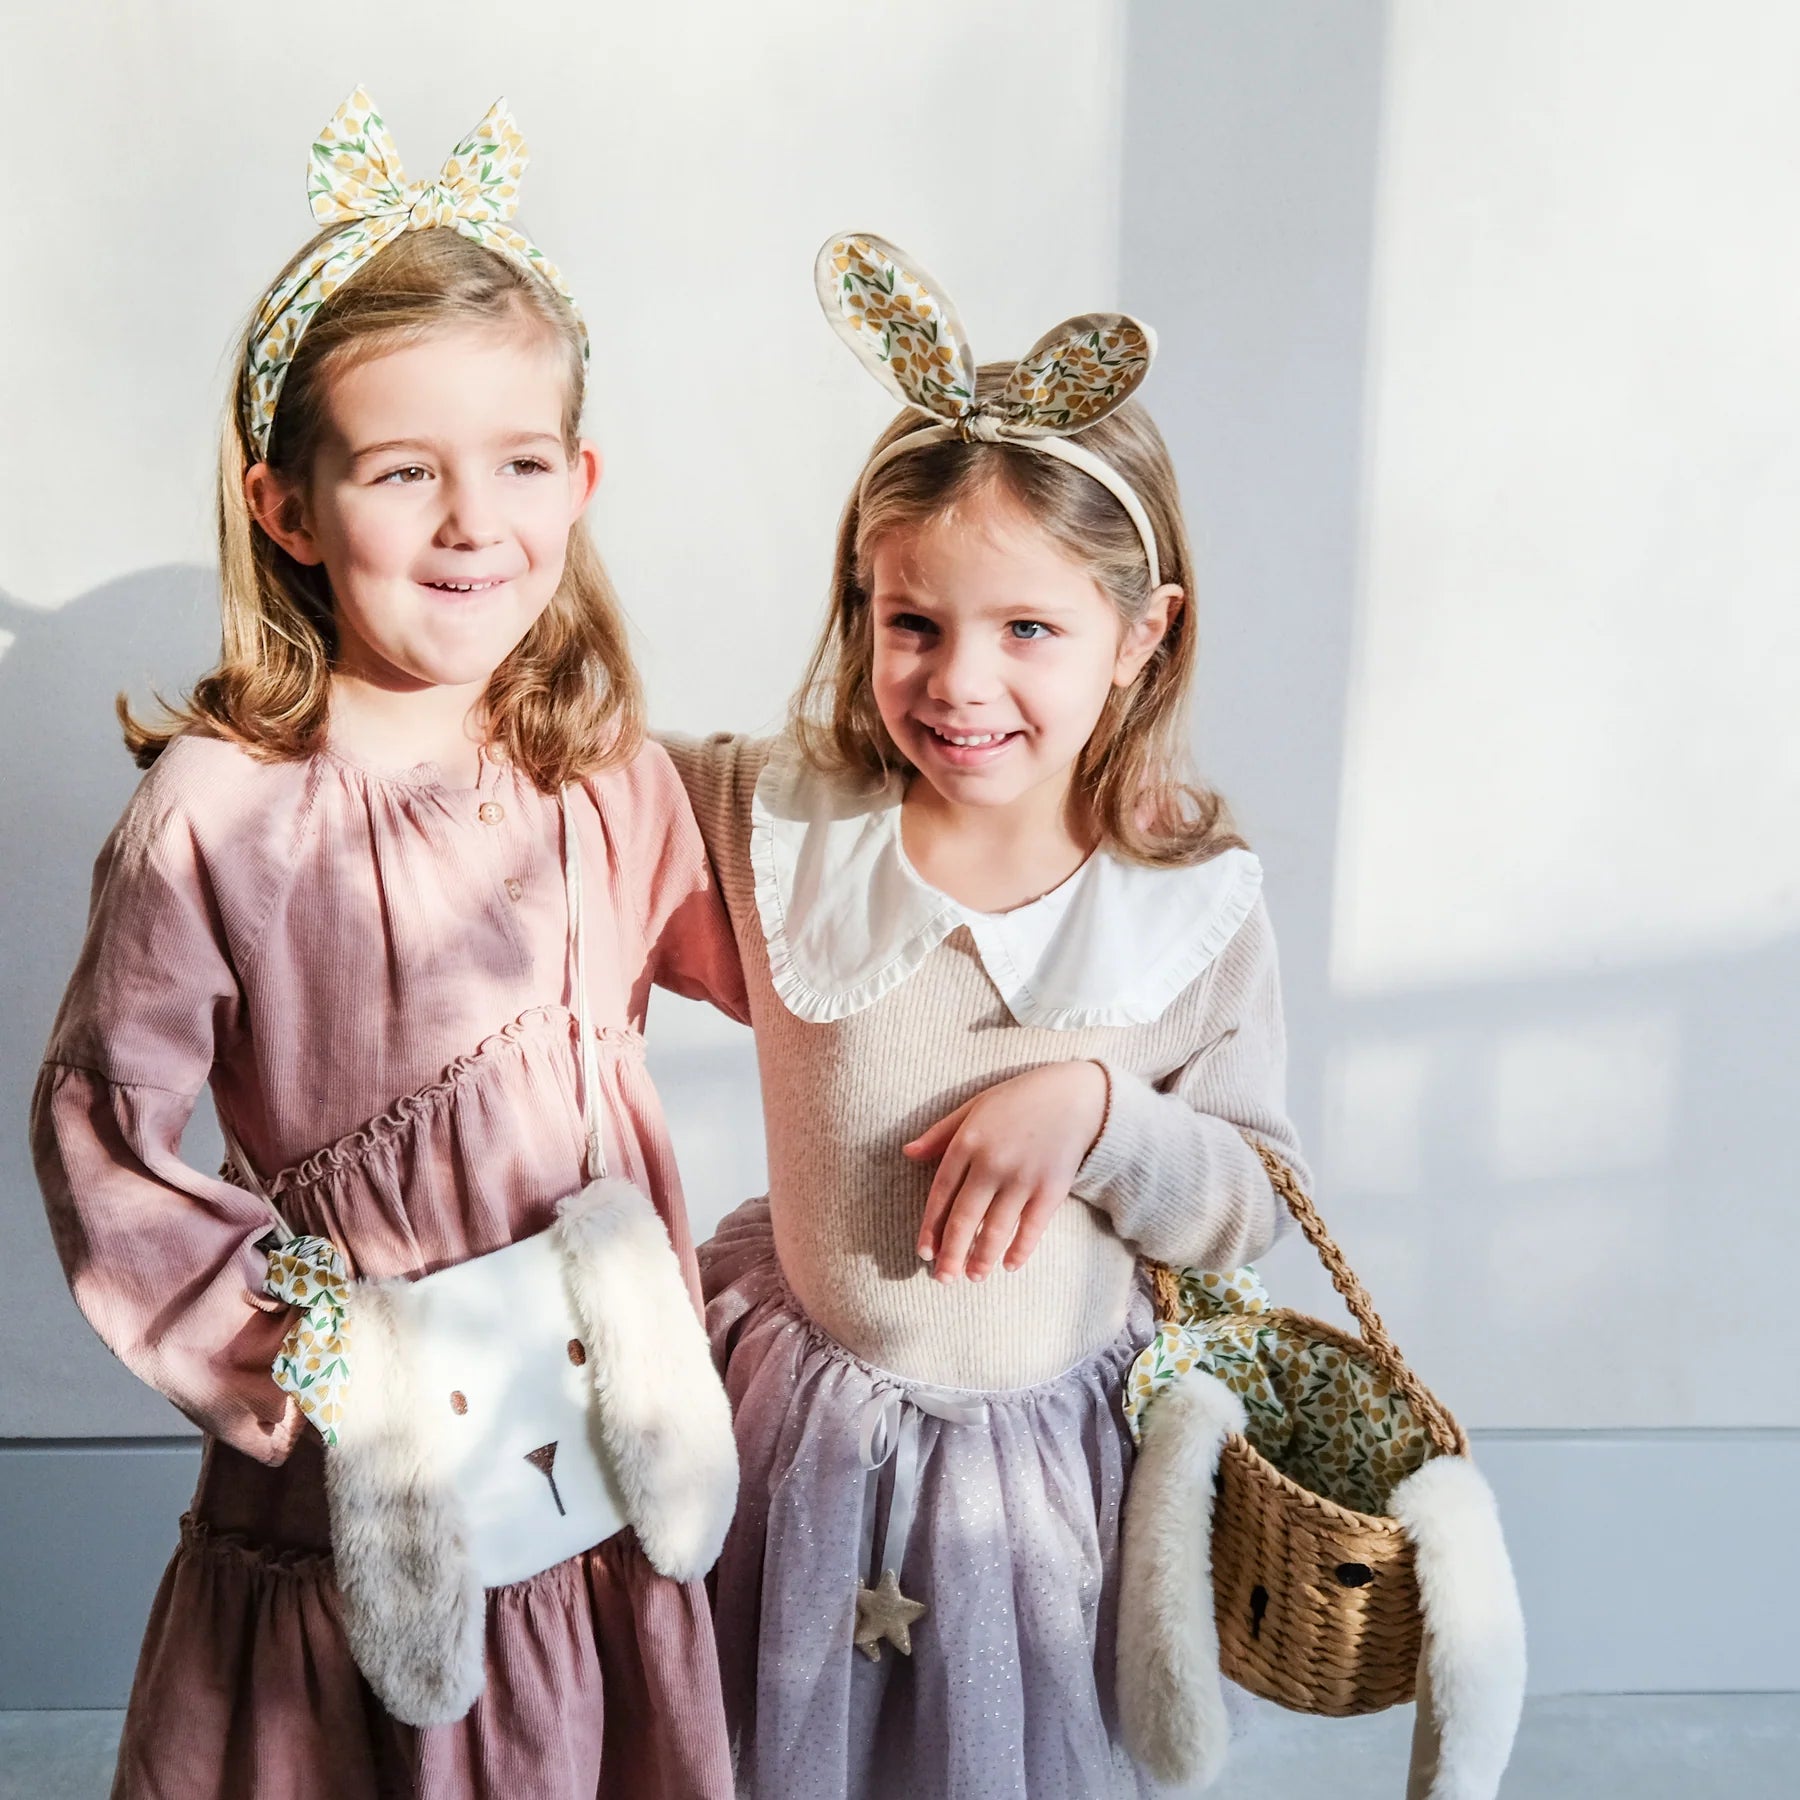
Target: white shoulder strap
point(590, 1060)
point(247, 1174)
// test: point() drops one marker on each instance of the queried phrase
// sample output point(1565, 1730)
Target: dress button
point(490, 812)
point(515, 888)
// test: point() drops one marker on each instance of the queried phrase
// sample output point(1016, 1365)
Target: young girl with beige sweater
point(1017, 1012)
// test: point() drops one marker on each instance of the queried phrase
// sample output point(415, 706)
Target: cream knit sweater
point(1170, 1177)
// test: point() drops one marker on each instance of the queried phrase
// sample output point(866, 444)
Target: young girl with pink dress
point(339, 899)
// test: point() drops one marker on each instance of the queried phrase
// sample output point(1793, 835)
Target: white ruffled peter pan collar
point(847, 919)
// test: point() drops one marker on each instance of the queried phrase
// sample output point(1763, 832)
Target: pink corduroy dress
point(372, 970)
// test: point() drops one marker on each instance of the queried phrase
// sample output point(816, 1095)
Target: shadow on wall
point(1541, 1177)
point(67, 779)
point(1577, 1162)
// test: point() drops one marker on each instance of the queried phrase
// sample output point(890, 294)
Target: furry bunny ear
point(899, 323)
point(415, 1614)
point(1171, 1706)
point(1078, 372)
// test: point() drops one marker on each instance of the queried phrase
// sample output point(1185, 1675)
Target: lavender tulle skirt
point(1013, 1545)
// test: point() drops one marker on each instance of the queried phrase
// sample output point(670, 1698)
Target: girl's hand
point(1009, 1158)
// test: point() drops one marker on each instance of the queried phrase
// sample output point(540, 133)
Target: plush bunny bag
point(492, 1419)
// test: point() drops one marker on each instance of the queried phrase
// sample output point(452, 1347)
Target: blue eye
point(1029, 631)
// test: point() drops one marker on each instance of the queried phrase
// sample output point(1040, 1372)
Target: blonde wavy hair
point(1133, 774)
point(565, 702)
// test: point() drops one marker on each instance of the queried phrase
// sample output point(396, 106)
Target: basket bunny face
point(1304, 1517)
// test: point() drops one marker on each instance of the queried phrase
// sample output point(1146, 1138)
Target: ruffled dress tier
point(372, 969)
point(967, 1437)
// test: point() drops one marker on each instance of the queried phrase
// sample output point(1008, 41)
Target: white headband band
point(986, 429)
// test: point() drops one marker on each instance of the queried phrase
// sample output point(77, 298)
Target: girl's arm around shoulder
point(1171, 1166)
point(665, 861)
point(720, 774)
point(160, 1257)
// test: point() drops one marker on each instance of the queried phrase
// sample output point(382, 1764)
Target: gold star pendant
point(885, 1612)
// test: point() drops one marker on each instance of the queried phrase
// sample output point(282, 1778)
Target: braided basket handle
point(1446, 1435)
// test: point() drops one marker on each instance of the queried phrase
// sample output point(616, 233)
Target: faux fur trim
point(414, 1612)
point(664, 1416)
point(1171, 1707)
point(1473, 1666)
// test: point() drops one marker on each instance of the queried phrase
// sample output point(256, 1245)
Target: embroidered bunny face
point(515, 1425)
point(508, 1413)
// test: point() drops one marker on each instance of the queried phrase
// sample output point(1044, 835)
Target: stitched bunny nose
point(543, 1459)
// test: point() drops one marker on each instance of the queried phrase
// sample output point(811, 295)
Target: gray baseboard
point(90, 1524)
point(1653, 1562)
point(1650, 1562)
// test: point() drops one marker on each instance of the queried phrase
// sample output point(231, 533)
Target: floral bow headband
point(354, 176)
point(906, 332)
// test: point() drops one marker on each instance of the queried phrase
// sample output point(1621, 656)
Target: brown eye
point(459, 1402)
point(577, 1352)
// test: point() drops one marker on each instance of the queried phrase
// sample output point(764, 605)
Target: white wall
point(1480, 367)
point(687, 161)
point(1479, 364)
point(1557, 1157)
point(1566, 936)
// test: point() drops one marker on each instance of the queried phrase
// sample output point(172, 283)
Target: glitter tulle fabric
point(1014, 1548)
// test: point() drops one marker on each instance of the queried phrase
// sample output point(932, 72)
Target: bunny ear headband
point(907, 334)
point(354, 175)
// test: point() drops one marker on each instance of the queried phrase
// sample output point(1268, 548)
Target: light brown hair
point(1133, 774)
point(565, 702)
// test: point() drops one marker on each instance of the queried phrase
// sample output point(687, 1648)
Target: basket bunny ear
point(1078, 372)
point(897, 320)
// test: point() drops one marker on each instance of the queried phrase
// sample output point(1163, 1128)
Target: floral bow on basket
point(1321, 1414)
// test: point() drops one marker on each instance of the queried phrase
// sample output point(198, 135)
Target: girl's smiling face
point(439, 502)
point(994, 653)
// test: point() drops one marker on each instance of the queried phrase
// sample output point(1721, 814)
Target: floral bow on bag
point(313, 1363)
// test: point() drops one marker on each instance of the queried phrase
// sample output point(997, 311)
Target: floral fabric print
point(905, 331)
point(313, 1363)
point(894, 320)
point(354, 178)
point(1321, 1415)
point(1079, 372)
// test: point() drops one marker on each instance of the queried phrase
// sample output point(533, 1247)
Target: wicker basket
point(1317, 1604)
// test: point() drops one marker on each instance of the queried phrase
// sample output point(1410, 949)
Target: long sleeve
point(718, 773)
point(161, 1258)
point(691, 949)
point(1171, 1168)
